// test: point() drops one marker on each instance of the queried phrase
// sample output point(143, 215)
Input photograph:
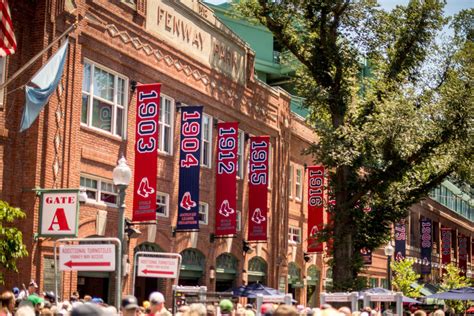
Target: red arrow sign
point(71, 264)
point(146, 271)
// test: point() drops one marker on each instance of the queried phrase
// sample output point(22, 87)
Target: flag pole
point(32, 60)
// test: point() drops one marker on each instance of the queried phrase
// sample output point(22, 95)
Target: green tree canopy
point(404, 276)
point(387, 138)
point(11, 238)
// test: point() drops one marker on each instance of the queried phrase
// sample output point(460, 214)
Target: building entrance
point(95, 284)
point(226, 272)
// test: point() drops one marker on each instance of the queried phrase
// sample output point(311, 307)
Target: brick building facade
point(90, 121)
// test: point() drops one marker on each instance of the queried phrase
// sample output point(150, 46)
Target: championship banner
point(366, 256)
point(189, 167)
point(400, 241)
point(426, 244)
point(226, 178)
point(446, 241)
point(463, 253)
point(258, 187)
point(315, 207)
point(146, 152)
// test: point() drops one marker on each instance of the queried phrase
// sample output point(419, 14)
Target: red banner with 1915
point(258, 187)
point(146, 152)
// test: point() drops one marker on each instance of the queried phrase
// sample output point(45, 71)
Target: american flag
point(7, 37)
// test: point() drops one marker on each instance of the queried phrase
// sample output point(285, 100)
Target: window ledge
point(101, 132)
point(100, 205)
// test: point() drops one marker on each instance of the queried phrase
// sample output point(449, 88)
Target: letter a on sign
point(59, 213)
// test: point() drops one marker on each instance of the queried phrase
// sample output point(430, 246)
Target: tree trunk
point(344, 274)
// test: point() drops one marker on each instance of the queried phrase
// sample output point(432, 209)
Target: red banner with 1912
point(258, 187)
point(226, 178)
point(315, 207)
point(146, 152)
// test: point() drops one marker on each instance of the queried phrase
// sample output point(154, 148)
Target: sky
point(452, 6)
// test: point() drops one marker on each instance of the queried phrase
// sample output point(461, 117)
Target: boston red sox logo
point(187, 202)
point(257, 216)
point(144, 188)
point(225, 209)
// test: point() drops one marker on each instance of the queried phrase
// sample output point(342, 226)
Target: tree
point(404, 276)
point(389, 138)
point(11, 238)
point(452, 279)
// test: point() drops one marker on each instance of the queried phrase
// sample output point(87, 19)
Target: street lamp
point(389, 251)
point(121, 177)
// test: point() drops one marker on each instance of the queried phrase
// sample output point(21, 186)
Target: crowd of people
point(28, 302)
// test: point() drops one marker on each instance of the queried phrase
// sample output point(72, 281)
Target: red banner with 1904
point(315, 207)
point(258, 187)
point(146, 152)
point(226, 178)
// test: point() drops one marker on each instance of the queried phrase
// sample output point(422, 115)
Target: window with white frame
point(3, 70)
point(162, 204)
point(104, 96)
point(203, 213)
point(166, 125)
point(290, 181)
point(99, 190)
point(206, 141)
point(294, 234)
point(239, 221)
point(240, 155)
point(299, 184)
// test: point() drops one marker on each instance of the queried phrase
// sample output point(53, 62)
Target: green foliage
point(11, 239)
point(453, 280)
point(404, 276)
point(387, 137)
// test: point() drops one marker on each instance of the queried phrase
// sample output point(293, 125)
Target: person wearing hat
point(129, 305)
point(32, 288)
point(37, 302)
point(157, 305)
point(226, 307)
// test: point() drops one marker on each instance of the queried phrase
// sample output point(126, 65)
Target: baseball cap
point(16, 291)
point(33, 283)
point(156, 298)
point(129, 302)
point(226, 305)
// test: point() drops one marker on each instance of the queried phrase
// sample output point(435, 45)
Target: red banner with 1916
point(226, 178)
point(315, 207)
point(258, 187)
point(146, 152)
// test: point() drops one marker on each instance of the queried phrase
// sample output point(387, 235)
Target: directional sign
point(92, 257)
point(156, 267)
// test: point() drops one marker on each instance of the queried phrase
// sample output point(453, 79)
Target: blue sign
point(189, 167)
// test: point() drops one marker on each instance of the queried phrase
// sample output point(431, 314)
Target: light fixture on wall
point(212, 272)
point(246, 247)
point(306, 257)
point(82, 195)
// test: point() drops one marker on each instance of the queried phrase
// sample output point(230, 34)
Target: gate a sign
point(59, 211)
